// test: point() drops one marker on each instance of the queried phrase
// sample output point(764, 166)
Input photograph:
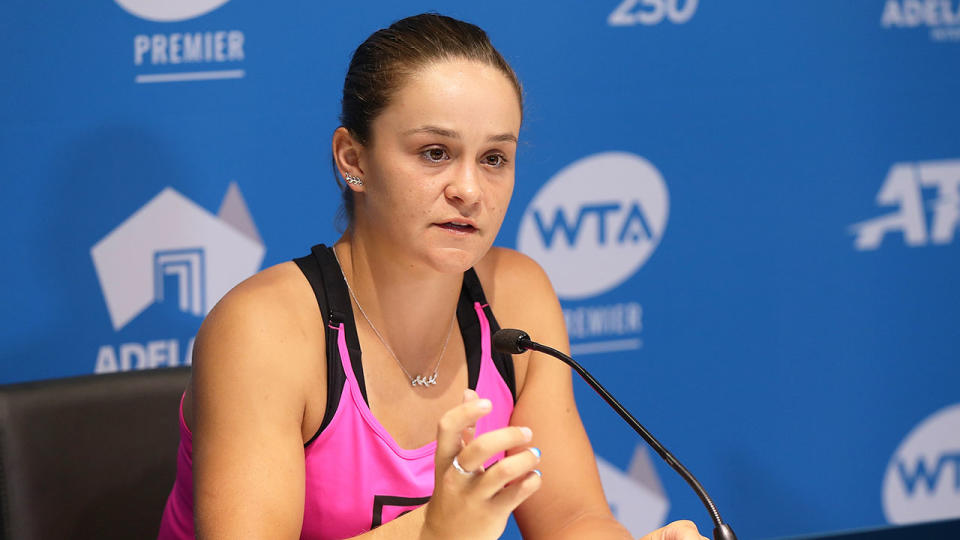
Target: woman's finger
point(513, 495)
point(467, 435)
point(507, 471)
point(488, 445)
point(452, 424)
point(683, 529)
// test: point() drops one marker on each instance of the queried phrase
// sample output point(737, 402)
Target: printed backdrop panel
point(749, 212)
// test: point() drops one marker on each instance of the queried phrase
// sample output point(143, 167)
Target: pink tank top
point(357, 477)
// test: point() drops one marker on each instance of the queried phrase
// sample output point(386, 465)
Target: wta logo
point(922, 482)
point(171, 249)
point(596, 222)
point(169, 10)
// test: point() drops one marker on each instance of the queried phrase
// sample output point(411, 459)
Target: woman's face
point(439, 167)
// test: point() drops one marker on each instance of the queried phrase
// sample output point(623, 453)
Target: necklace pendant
point(420, 380)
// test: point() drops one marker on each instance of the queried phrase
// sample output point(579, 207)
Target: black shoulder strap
point(341, 311)
point(311, 270)
point(335, 376)
point(330, 305)
point(504, 362)
point(470, 332)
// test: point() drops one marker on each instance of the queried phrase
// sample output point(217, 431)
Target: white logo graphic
point(651, 12)
point(172, 239)
point(922, 482)
point(636, 498)
point(188, 48)
point(169, 10)
point(939, 16)
point(617, 326)
point(596, 222)
point(904, 188)
point(202, 54)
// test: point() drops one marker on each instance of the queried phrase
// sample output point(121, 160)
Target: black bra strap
point(470, 331)
point(503, 362)
point(341, 311)
point(336, 379)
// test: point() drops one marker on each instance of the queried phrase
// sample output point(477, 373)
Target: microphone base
point(723, 532)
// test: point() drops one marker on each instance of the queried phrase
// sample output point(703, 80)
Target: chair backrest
point(88, 457)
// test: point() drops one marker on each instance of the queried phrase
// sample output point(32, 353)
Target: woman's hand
point(477, 503)
point(678, 530)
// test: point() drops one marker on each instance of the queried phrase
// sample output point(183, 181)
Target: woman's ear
point(347, 153)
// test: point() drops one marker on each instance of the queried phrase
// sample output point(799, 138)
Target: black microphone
point(512, 341)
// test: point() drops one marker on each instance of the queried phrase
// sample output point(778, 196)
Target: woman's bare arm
point(570, 502)
point(248, 397)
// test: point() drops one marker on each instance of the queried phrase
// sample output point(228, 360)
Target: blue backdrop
point(762, 198)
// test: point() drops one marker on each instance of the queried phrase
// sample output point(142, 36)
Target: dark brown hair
point(383, 62)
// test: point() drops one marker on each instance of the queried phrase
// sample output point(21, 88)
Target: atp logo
point(173, 237)
point(636, 497)
point(596, 222)
point(922, 482)
point(169, 10)
point(652, 12)
point(904, 188)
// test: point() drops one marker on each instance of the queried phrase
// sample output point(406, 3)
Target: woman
point(286, 433)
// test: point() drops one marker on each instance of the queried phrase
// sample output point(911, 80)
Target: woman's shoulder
point(266, 330)
point(260, 339)
point(512, 280)
point(521, 296)
point(277, 300)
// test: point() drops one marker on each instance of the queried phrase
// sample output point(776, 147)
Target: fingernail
point(527, 433)
point(484, 404)
point(536, 451)
point(540, 474)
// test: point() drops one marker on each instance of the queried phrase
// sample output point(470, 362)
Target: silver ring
point(461, 470)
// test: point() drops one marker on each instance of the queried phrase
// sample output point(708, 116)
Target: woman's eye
point(495, 160)
point(435, 155)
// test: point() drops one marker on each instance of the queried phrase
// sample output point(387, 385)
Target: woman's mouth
point(458, 227)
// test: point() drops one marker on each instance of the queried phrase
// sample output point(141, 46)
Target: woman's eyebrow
point(450, 134)
point(503, 137)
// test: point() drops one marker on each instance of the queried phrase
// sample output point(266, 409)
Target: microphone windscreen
point(507, 340)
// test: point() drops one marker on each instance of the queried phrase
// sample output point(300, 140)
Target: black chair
point(88, 457)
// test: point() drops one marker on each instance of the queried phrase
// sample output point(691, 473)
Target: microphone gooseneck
point(512, 341)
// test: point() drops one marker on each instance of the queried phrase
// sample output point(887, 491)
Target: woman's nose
point(464, 186)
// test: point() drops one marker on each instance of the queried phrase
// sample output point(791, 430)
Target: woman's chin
point(455, 260)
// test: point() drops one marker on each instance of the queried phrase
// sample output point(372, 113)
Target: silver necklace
point(419, 380)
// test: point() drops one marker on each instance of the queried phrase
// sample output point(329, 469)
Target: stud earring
point(351, 179)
